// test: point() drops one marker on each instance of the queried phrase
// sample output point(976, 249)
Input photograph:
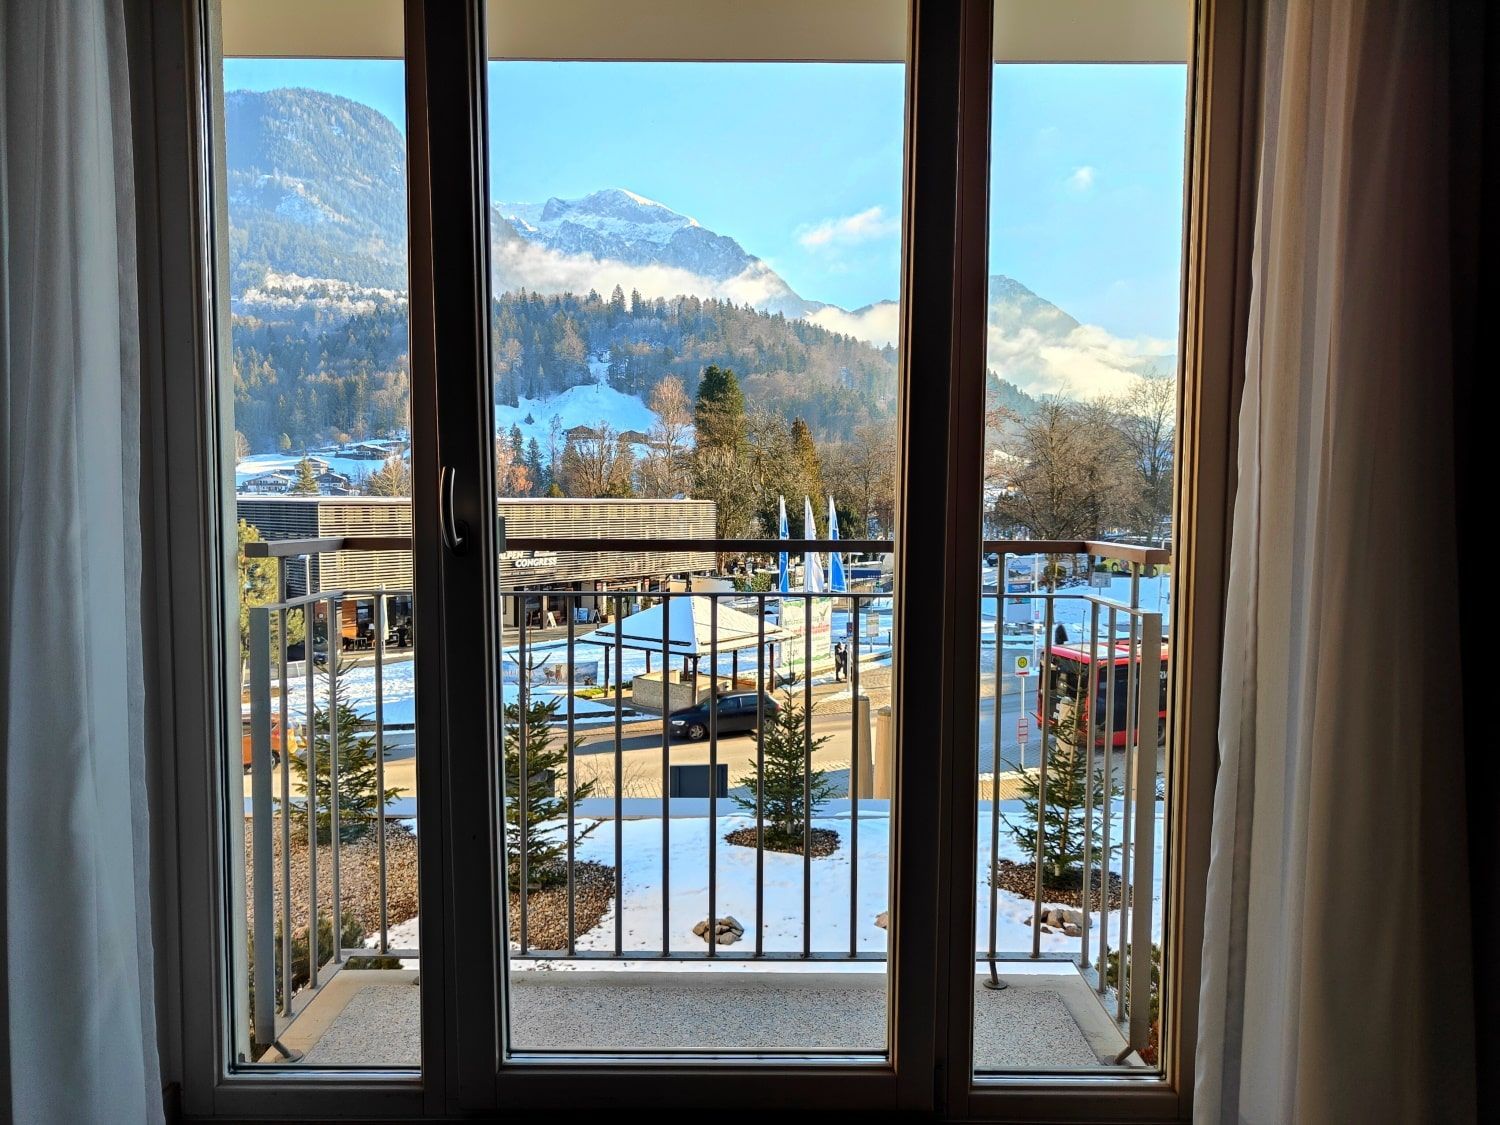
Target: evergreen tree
point(719, 416)
point(545, 813)
point(781, 785)
point(808, 467)
point(306, 483)
point(284, 443)
point(536, 465)
point(360, 800)
point(1063, 826)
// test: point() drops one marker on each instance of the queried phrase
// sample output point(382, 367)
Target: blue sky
point(801, 163)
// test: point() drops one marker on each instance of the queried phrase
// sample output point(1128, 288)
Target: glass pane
point(311, 156)
point(696, 262)
point(1085, 247)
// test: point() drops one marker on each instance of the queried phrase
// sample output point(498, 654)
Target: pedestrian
point(1060, 635)
point(840, 662)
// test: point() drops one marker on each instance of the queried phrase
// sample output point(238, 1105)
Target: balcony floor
point(1049, 1017)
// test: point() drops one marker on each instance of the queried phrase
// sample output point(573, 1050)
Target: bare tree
point(1147, 421)
point(861, 475)
point(1065, 474)
point(597, 463)
point(665, 469)
point(392, 479)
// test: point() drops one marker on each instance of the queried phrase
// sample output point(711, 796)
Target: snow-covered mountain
point(614, 227)
point(317, 216)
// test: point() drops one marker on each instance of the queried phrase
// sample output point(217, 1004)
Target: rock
point(1046, 929)
point(726, 930)
point(883, 919)
point(1072, 929)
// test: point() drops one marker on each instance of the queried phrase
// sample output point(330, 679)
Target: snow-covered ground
point(585, 405)
point(687, 898)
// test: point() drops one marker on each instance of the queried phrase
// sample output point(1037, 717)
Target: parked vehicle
point(737, 714)
point(293, 741)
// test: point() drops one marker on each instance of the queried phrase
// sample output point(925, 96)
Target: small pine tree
point(1063, 825)
point(545, 812)
point(360, 799)
point(781, 784)
point(306, 483)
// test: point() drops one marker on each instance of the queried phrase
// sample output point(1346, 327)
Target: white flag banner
point(812, 567)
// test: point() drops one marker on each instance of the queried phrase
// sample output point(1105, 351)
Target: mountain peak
point(617, 206)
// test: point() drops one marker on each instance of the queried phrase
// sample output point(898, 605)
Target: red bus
point(1067, 675)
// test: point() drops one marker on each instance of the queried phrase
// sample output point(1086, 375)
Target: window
point(524, 438)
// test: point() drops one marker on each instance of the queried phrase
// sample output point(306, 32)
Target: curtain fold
point(78, 971)
point(1337, 970)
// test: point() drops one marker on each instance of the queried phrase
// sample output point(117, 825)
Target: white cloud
point(1082, 178)
point(846, 230)
point(877, 324)
point(1084, 363)
point(520, 264)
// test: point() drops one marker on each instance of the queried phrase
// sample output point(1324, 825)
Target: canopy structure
point(689, 629)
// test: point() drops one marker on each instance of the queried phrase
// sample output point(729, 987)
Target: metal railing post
point(334, 828)
point(264, 1004)
point(619, 779)
point(993, 982)
point(1132, 739)
point(286, 813)
point(713, 774)
point(807, 709)
point(666, 772)
point(523, 773)
point(760, 778)
point(380, 763)
point(572, 608)
point(1090, 702)
point(1145, 831)
point(309, 621)
point(1109, 801)
point(1041, 779)
point(861, 727)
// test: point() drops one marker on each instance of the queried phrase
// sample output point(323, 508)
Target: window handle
point(455, 531)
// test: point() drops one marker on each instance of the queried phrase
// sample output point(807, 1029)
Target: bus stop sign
point(1023, 665)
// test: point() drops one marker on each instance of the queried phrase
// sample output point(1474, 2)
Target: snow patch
point(585, 405)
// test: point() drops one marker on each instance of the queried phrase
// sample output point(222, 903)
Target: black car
point(737, 713)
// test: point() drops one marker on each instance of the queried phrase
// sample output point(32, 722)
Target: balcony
point(608, 952)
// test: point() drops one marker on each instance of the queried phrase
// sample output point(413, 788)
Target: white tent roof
point(690, 629)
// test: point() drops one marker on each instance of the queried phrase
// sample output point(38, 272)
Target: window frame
point(178, 111)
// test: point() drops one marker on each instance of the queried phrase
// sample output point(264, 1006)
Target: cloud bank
point(847, 230)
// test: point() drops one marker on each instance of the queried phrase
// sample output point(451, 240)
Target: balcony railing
point(785, 656)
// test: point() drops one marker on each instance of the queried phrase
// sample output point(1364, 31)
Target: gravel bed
point(1020, 879)
point(359, 876)
point(825, 841)
point(547, 909)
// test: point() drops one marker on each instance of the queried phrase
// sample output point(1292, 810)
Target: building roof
point(690, 629)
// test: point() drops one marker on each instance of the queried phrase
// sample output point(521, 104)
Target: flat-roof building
point(316, 517)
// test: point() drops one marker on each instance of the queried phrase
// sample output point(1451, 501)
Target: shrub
point(360, 800)
point(781, 783)
point(545, 813)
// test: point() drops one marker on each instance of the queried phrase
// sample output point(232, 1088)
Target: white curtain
point(1337, 968)
point(77, 971)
